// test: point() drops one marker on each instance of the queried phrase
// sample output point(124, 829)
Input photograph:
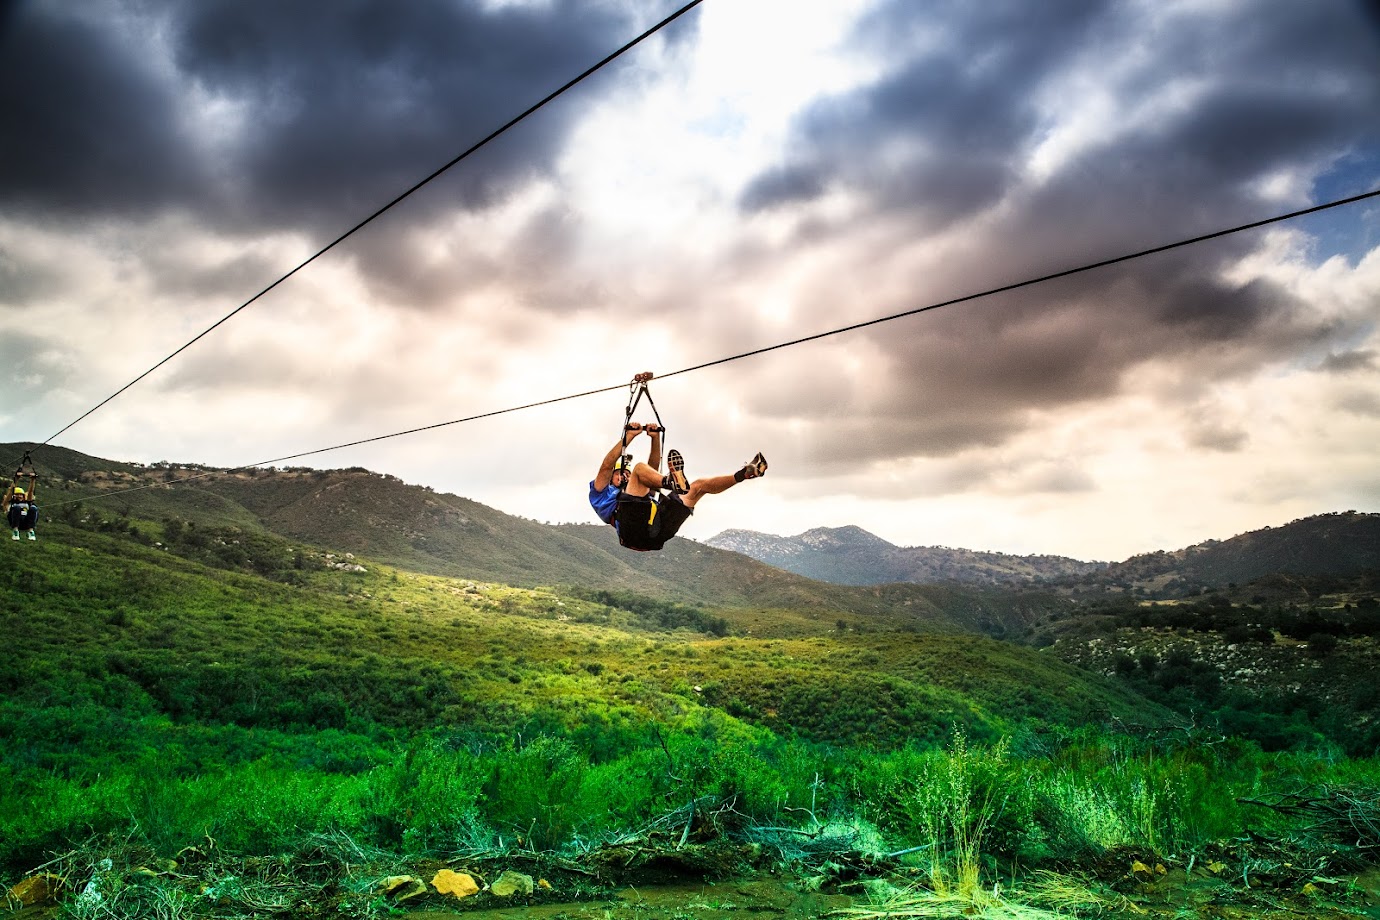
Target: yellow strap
point(652, 516)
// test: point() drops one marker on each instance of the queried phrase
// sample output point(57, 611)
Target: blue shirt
point(604, 501)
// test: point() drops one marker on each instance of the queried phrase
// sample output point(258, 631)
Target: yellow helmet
point(18, 490)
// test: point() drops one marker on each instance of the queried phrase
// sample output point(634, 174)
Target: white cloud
point(772, 170)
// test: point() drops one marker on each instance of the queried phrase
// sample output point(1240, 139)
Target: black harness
point(636, 390)
point(23, 512)
point(641, 520)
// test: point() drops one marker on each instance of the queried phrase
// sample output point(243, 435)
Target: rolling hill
point(415, 528)
point(827, 572)
point(109, 623)
point(326, 617)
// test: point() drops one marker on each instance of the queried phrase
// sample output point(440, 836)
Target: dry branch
point(1347, 815)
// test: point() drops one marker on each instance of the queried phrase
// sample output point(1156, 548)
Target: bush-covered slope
point(95, 620)
point(1283, 673)
point(1325, 545)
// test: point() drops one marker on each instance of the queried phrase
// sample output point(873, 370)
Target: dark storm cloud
point(87, 126)
point(942, 132)
point(318, 112)
point(979, 374)
point(351, 104)
point(1215, 107)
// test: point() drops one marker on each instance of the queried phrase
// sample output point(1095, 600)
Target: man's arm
point(605, 474)
point(654, 458)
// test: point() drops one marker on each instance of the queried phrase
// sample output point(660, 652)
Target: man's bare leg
point(710, 485)
point(644, 479)
point(713, 485)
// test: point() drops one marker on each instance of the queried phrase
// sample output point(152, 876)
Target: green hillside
point(121, 652)
point(103, 618)
point(415, 528)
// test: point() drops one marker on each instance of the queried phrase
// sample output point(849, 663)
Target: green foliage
point(533, 793)
point(656, 614)
point(426, 802)
point(950, 800)
point(178, 694)
point(1249, 668)
point(971, 806)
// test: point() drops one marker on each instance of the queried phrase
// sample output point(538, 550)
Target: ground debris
point(1346, 816)
point(705, 861)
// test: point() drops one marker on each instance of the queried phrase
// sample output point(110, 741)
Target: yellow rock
point(511, 883)
point(456, 883)
point(37, 889)
point(402, 887)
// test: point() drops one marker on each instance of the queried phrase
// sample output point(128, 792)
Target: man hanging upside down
point(631, 501)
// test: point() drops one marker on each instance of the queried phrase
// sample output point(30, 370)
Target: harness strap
point(26, 468)
point(637, 388)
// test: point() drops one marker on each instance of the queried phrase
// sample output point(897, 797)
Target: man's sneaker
point(755, 467)
point(675, 480)
point(32, 536)
point(14, 534)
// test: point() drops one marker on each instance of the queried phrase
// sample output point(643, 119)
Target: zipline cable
point(322, 450)
point(359, 226)
point(809, 338)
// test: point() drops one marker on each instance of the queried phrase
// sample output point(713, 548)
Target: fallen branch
point(1350, 815)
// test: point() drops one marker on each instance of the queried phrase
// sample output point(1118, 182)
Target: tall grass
point(969, 811)
point(950, 803)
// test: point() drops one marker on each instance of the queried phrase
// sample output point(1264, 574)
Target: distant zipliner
point(20, 504)
point(628, 496)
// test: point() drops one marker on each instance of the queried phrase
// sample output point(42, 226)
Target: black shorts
point(645, 523)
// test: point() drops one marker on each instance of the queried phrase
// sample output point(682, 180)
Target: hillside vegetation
point(1326, 545)
point(414, 528)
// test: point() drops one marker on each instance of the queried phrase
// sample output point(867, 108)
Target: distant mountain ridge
point(853, 556)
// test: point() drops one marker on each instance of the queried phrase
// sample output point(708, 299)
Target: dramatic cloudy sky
point(761, 171)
